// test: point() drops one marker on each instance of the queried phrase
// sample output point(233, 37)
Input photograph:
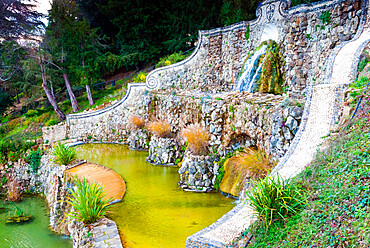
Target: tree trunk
point(88, 91)
point(70, 93)
point(52, 99)
point(51, 89)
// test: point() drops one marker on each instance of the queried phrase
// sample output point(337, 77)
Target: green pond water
point(154, 212)
point(35, 234)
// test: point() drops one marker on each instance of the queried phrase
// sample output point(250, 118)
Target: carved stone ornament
point(270, 9)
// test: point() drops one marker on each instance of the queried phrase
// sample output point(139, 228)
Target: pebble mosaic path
point(322, 106)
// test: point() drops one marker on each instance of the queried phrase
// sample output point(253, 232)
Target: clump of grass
point(161, 129)
point(64, 154)
point(254, 161)
point(88, 202)
point(197, 138)
point(136, 122)
point(275, 199)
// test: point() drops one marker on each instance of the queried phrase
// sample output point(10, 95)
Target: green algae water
point(35, 234)
point(155, 211)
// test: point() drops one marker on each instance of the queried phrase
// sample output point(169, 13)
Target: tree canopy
point(18, 19)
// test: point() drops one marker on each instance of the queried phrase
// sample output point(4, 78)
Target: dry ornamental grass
point(256, 162)
point(136, 122)
point(197, 138)
point(160, 129)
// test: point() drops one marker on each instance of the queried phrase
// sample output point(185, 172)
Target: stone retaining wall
point(265, 121)
point(305, 35)
point(164, 151)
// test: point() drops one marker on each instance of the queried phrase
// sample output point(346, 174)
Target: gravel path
point(321, 113)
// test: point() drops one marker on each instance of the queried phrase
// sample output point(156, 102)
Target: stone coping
point(130, 86)
point(105, 234)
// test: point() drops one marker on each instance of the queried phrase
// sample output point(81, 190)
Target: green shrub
point(31, 113)
point(51, 122)
point(64, 154)
point(360, 83)
point(88, 202)
point(34, 159)
point(220, 175)
point(171, 59)
point(5, 102)
point(274, 199)
point(4, 180)
point(140, 77)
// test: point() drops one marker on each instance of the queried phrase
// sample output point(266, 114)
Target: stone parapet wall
point(110, 124)
point(309, 41)
point(54, 133)
point(305, 39)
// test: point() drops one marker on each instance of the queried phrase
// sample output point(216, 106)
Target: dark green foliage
point(34, 159)
point(5, 102)
point(109, 63)
point(18, 19)
point(233, 11)
point(173, 58)
point(297, 2)
point(362, 64)
point(325, 17)
point(146, 30)
point(12, 147)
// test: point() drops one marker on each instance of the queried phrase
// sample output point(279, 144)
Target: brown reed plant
point(254, 161)
point(197, 138)
point(136, 122)
point(160, 129)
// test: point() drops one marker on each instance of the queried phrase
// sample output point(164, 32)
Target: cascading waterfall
point(251, 72)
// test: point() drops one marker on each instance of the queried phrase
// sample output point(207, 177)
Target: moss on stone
point(271, 79)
